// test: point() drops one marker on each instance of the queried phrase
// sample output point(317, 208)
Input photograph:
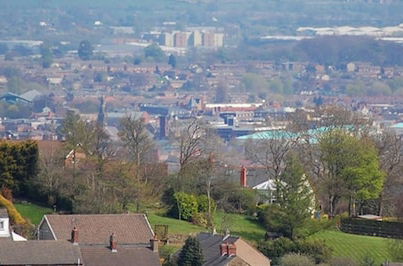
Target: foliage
point(15, 216)
point(172, 61)
point(202, 204)
point(275, 249)
point(18, 164)
point(46, 55)
point(295, 259)
point(241, 200)
point(155, 52)
point(295, 197)
point(85, 50)
point(191, 253)
point(351, 168)
point(185, 206)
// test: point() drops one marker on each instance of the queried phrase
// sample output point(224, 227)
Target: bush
point(202, 204)
point(343, 262)
point(317, 249)
point(185, 206)
point(274, 220)
point(242, 200)
point(293, 259)
point(200, 219)
point(275, 249)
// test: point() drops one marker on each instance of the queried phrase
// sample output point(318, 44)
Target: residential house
point(219, 250)
point(105, 239)
point(16, 250)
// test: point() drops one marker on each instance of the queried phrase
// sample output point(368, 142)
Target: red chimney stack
point(231, 250)
point(244, 177)
point(74, 236)
point(113, 243)
point(227, 249)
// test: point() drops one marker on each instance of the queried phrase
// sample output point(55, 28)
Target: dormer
point(4, 224)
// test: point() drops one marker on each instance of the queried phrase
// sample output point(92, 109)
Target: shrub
point(294, 259)
point(275, 249)
point(15, 216)
point(185, 206)
point(202, 204)
point(317, 249)
point(343, 262)
point(200, 219)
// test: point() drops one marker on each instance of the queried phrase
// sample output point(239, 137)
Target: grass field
point(32, 211)
point(355, 246)
point(241, 225)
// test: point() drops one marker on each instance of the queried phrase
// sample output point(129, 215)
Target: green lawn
point(32, 211)
point(355, 246)
point(241, 225)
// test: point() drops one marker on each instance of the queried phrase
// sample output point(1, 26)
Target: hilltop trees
point(349, 168)
point(85, 50)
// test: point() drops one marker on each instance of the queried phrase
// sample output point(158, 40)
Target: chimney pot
point(74, 236)
point(113, 243)
point(223, 249)
point(244, 177)
point(154, 243)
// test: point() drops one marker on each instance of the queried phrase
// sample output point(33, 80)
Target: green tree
point(85, 50)
point(295, 259)
point(172, 61)
point(155, 52)
point(351, 168)
point(296, 195)
point(191, 253)
point(46, 55)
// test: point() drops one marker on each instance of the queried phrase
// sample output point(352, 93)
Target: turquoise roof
point(279, 134)
point(398, 125)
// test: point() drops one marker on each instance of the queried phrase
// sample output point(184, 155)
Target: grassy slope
point(240, 225)
point(355, 246)
point(33, 212)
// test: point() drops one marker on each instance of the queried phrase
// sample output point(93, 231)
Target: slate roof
point(127, 256)
point(39, 252)
point(97, 228)
point(210, 245)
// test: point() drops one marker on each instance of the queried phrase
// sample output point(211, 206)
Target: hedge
point(372, 228)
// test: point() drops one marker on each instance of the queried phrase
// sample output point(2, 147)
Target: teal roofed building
point(12, 98)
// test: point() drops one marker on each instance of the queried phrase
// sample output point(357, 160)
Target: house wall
point(5, 231)
point(44, 232)
point(250, 255)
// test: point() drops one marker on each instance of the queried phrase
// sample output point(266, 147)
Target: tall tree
point(172, 61)
point(46, 55)
point(85, 50)
point(349, 168)
point(136, 138)
point(191, 253)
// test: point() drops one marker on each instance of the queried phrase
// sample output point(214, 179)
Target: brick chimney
point(244, 177)
point(154, 244)
point(223, 249)
point(113, 243)
point(231, 250)
point(74, 236)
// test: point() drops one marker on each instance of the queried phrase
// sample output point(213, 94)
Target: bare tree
point(134, 135)
point(271, 151)
point(190, 142)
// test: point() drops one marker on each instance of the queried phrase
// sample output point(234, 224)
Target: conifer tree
point(191, 254)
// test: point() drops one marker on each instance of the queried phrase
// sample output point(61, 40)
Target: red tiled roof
point(97, 228)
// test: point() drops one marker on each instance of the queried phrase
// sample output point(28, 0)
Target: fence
point(372, 228)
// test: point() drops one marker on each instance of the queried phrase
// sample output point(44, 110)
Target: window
point(2, 226)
